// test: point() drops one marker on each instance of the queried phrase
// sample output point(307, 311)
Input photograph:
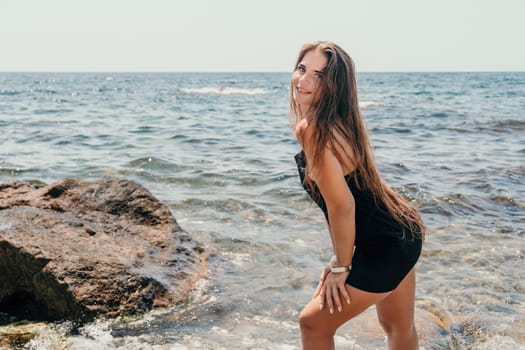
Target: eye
point(318, 76)
point(301, 69)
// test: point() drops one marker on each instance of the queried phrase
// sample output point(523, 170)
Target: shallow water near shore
point(217, 148)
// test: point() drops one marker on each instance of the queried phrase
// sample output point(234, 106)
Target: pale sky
point(259, 36)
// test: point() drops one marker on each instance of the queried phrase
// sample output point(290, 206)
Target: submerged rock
point(16, 335)
point(76, 249)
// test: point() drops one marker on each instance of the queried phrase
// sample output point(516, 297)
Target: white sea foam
point(368, 104)
point(275, 323)
point(499, 342)
point(50, 337)
point(345, 343)
point(5, 226)
point(238, 259)
point(95, 335)
point(223, 90)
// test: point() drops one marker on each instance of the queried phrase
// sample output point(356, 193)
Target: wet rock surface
point(77, 249)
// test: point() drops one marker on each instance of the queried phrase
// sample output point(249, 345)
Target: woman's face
point(306, 79)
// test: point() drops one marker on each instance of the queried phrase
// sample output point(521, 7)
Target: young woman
point(376, 235)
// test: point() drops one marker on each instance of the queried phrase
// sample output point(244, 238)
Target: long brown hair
point(336, 115)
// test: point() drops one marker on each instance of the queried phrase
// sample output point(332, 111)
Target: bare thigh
point(396, 312)
point(324, 322)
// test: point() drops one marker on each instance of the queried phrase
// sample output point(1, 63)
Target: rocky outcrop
point(77, 249)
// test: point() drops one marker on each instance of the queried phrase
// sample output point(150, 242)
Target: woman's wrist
point(340, 269)
point(336, 268)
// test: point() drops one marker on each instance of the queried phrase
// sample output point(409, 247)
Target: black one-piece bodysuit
point(383, 254)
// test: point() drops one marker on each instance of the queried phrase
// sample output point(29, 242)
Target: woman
point(338, 171)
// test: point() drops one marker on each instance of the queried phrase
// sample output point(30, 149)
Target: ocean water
point(218, 149)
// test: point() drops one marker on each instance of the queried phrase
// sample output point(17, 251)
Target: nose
point(305, 78)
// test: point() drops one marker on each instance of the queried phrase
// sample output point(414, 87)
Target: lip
point(301, 91)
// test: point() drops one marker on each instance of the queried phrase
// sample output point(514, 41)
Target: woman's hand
point(325, 272)
point(333, 289)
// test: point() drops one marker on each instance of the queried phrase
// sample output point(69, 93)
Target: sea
point(218, 149)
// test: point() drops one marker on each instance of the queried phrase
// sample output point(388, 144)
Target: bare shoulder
point(305, 134)
point(330, 178)
point(341, 153)
point(345, 151)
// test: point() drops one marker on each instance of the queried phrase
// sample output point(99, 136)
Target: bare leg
point(396, 315)
point(318, 326)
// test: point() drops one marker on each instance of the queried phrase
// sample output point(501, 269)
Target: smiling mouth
point(301, 91)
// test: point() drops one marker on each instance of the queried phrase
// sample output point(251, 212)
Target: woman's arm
point(329, 177)
point(341, 213)
point(340, 204)
point(330, 180)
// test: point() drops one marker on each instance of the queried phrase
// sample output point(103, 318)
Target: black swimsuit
point(382, 257)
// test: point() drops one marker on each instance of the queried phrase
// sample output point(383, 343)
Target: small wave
point(52, 111)
point(227, 205)
point(11, 171)
point(144, 129)
point(155, 163)
point(502, 342)
point(439, 115)
point(507, 201)
point(511, 124)
point(369, 104)
point(223, 90)
point(10, 92)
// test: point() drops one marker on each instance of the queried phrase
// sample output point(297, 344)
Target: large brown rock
point(76, 250)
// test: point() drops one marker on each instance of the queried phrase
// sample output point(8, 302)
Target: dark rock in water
point(75, 250)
